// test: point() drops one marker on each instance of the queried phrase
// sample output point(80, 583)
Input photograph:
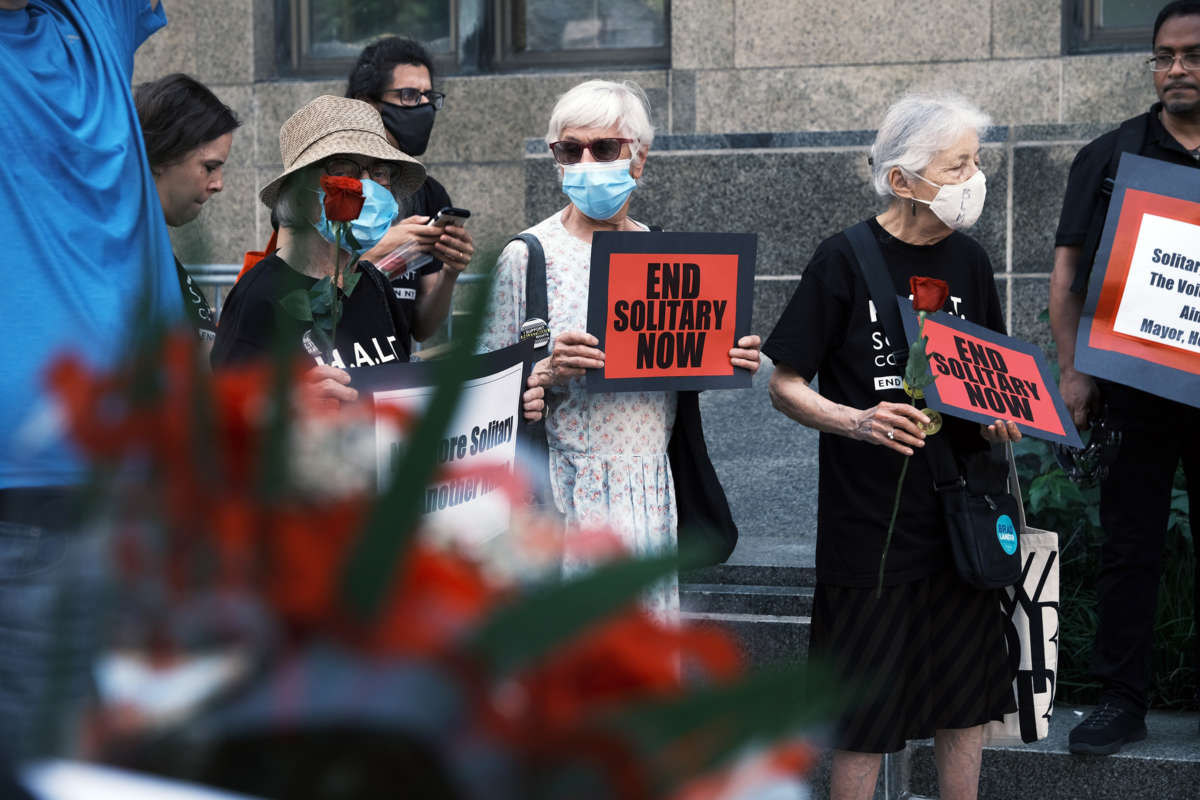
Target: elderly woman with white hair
point(927, 652)
point(608, 452)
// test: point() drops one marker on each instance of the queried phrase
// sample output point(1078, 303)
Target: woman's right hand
point(574, 353)
point(893, 425)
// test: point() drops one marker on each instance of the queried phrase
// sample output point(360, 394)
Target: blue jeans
point(52, 587)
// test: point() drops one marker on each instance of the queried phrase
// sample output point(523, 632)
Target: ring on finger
point(891, 434)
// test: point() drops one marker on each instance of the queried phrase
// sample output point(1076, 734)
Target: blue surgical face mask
point(598, 188)
point(371, 224)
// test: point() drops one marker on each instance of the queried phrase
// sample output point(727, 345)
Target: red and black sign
point(984, 376)
point(667, 308)
point(1141, 320)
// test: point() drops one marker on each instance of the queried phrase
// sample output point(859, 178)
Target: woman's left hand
point(1000, 431)
point(746, 354)
point(454, 248)
point(533, 401)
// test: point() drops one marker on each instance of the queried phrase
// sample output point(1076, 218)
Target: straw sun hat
point(339, 126)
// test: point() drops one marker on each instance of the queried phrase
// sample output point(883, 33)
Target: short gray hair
point(604, 104)
point(295, 204)
point(916, 128)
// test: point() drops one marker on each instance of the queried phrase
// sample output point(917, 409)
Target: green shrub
point(1054, 502)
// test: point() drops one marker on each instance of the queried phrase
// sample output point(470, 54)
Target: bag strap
point(946, 475)
point(879, 287)
point(535, 278)
point(1014, 486)
point(1130, 138)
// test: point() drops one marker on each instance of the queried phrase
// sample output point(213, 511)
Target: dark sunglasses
point(608, 149)
point(412, 97)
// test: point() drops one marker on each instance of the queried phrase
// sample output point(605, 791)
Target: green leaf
point(349, 282)
point(321, 303)
point(296, 304)
point(549, 615)
point(352, 241)
point(688, 734)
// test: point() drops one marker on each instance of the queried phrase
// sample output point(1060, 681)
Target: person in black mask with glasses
point(396, 76)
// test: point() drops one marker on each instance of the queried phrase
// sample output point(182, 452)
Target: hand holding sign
point(747, 353)
point(574, 353)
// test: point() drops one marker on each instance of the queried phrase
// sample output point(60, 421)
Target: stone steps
point(1165, 766)
point(766, 608)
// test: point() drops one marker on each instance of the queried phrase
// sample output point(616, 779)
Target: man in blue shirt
point(83, 242)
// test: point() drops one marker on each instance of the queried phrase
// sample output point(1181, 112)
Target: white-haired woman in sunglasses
point(608, 452)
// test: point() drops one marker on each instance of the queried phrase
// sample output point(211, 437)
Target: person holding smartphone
point(396, 77)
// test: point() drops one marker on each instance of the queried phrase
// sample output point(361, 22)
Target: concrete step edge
point(717, 616)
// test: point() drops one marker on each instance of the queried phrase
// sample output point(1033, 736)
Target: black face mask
point(409, 124)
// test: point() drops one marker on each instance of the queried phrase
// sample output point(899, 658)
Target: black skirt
point(927, 655)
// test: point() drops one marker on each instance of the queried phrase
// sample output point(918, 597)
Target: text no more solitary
point(671, 323)
point(458, 448)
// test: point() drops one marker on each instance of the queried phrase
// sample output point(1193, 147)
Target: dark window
point(323, 37)
point(1100, 25)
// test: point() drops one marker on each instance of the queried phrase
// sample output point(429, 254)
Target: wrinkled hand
point(574, 353)
point(1081, 396)
point(327, 387)
point(1000, 431)
point(455, 248)
point(533, 401)
point(746, 355)
point(900, 419)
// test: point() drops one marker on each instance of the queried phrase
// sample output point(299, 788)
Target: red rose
point(928, 294)
point(343, 197)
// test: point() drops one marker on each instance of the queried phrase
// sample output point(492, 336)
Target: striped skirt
point(927, 655)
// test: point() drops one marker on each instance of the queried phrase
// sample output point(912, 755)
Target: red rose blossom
point(928, 294)
point(343, 197)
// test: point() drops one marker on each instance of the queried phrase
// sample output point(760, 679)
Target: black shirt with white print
point(830, 330)
point(371, 331)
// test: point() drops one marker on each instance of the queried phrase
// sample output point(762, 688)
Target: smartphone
point(451, 216)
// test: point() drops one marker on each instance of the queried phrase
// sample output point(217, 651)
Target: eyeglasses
point(342, 167)
point(410, 96)
point(1161, 62)
point(607, 149)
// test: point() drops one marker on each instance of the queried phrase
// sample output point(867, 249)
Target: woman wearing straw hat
point(333, 136)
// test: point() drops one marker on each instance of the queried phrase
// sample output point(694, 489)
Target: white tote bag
point(1031, 611)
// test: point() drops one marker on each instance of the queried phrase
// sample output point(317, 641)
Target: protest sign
point(1141, 320)
point(483, 433)
point(984, 376)
point(667, 308)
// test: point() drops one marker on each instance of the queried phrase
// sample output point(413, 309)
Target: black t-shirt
point(1089, 169)
point(195, 304)
point(829, 329)
point(372, 329)
point(427, 201)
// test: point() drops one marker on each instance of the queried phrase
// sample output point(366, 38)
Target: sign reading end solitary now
point(984, 376)
point(668, 307)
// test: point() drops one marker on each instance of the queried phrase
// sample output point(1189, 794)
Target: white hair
point(916, 128)
point(605, 104)
point(295, 205)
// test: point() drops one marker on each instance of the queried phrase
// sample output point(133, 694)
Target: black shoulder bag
point(705, 522)
point(981, 514)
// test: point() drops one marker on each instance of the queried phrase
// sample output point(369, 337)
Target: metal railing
point(217, 279)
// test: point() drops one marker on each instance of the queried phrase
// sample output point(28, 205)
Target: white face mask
point(958, 204)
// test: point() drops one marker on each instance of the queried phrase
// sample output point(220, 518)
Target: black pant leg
point(1134, 508)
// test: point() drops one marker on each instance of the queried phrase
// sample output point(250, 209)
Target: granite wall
point(737, 66)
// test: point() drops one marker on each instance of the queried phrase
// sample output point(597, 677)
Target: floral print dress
point(608, 452)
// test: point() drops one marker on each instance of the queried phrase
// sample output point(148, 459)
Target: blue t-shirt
point(82, 233)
